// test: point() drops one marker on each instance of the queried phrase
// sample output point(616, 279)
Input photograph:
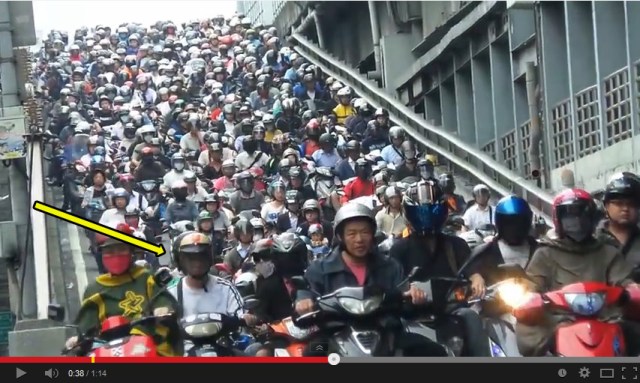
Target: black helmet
point(623, 185)
point(353, 145)
point(326, 139)
point(289, 255)
point(193, 245)
point(349, 212)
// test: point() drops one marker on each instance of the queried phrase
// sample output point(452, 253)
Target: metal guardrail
point(464, 159)
point(35, 121)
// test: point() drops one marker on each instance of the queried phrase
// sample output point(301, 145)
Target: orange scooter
point(287, 339)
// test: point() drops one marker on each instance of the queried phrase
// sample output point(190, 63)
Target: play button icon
point(20, 373)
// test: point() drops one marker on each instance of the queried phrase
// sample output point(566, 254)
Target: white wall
point(593, 171)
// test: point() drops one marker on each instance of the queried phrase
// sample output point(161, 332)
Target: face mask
point(178, 166)
point(148, 139)
point(576, 228)
point(117, 263)
point(257, 237)
point(180, 195)
point(265, 268)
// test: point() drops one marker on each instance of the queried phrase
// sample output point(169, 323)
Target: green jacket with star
point(127, 295)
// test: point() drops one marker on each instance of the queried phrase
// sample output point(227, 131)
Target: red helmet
point(103, 240)
point(579, 206)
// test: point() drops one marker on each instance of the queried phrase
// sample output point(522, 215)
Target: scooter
point(115, 337)
point(587, 335)
point(287, 339)
point(74, 178)
point(321, 181)
point(210, 334)
point(361, 321)
point(150, 189)
point(495, 308)
point(499, 322)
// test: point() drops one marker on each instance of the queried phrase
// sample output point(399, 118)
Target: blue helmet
point(513, 219)
point(425, 207)
point(97, 162)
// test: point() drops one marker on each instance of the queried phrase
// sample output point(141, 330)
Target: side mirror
point(55, 312)
point(251, 304)
point(300, 283)
point(162, 277)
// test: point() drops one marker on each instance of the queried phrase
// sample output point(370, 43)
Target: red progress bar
point(62, 359)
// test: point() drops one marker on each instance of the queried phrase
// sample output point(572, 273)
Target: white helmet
point(344, 92)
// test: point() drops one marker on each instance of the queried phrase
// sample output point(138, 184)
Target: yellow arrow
point(98, 228)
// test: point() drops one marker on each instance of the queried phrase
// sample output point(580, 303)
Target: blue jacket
point(299, 91)
point(344, 170)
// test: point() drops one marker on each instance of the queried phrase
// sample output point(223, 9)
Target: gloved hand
point(71, 342)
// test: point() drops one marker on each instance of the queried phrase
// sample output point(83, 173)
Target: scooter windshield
point(77, 147)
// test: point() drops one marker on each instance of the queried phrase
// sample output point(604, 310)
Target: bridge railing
point(462, 158)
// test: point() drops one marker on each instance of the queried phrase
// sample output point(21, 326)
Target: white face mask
point(148, 139)
point(179, 166)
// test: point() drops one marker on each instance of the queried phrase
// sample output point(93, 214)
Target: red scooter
point(587, 335)
point(116, 337)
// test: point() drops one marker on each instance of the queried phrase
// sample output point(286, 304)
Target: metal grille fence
point(588, 121)
point(562, 134)
point(490, 149)
point(510, 150)
point(617, 106)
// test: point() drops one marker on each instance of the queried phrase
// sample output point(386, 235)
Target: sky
point(70, 14)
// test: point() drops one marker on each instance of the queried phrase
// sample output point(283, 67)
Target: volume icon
point(51, 373)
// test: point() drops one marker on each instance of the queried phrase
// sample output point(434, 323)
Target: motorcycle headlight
point(360, 307)
point(512, 294)
point(586, 304)
point(202, 330)
point(148, 186)
point(296, 332)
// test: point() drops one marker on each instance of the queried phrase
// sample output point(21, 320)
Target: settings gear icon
point(584, 372)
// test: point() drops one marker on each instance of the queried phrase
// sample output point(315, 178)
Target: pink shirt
point(359, 271)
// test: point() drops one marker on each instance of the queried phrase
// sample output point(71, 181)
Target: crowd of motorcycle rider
point(256, 162)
